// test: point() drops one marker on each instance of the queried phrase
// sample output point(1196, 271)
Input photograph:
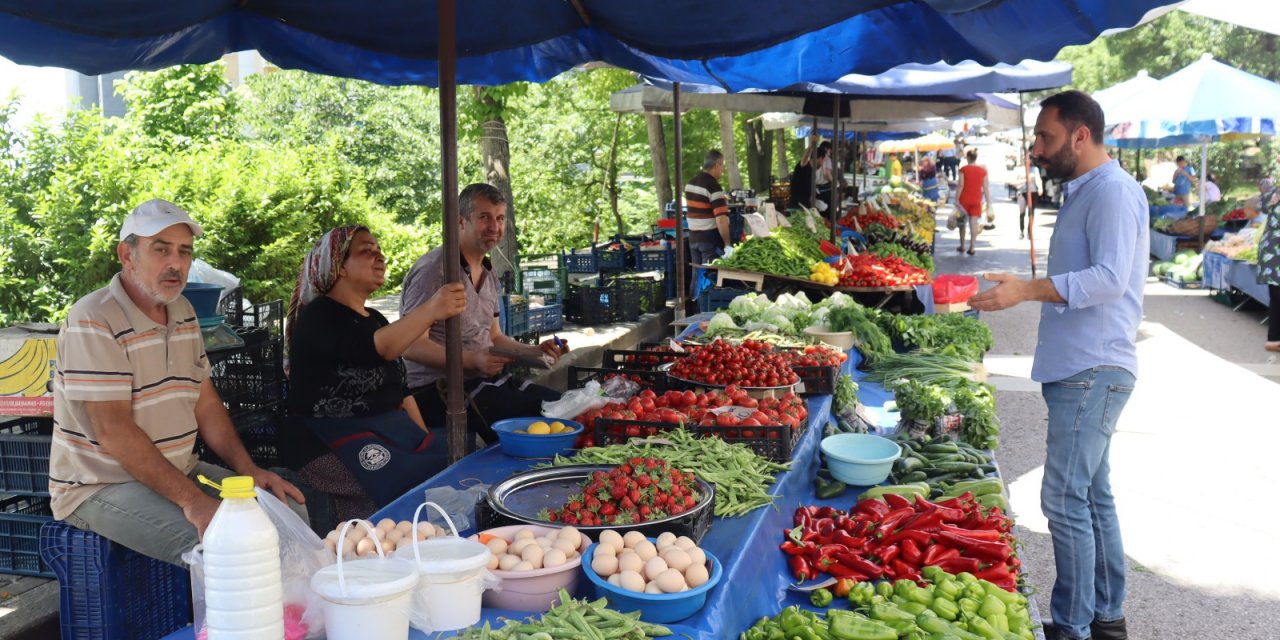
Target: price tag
point(759, 228)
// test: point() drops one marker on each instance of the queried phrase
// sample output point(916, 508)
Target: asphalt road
point(1191, 459)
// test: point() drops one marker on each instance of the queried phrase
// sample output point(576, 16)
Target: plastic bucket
point(452, 571)
point(366, 598)
point(203, 298)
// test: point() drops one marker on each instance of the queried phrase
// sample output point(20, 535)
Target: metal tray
point(518, 499)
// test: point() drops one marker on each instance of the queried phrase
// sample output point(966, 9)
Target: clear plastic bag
point(202, 271)
point(459, 502)
point(576, 402)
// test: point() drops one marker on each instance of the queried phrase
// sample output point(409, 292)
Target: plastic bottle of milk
point(243, 598)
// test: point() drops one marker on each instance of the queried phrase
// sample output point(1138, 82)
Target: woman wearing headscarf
point(347, 381)
point(1269, 256)
point(928, 176)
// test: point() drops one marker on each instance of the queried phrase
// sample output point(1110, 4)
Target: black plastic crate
point(249, 378)
point(268, 316)
point(581, 261)
point(614, 259)
point(638, 358)
point(591, 305)
point(20, 520)
point(718, 298)
point(24, 455)
point(817, 381)
point(259, 432)
point(639, 295)
point(647, 379)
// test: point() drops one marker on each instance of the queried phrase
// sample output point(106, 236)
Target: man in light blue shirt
point(1086, 358)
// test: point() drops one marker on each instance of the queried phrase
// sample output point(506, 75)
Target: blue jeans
point(1076, 497)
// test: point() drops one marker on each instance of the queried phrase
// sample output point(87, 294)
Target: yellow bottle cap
point(232, 486)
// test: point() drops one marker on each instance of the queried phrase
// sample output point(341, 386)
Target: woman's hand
point(448, 301)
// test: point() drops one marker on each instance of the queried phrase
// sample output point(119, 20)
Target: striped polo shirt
point(108, 349)
point(705, 201)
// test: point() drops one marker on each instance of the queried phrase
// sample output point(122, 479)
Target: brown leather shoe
point(1113, 630)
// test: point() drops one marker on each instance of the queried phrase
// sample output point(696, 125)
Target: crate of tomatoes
point(817, 366)
point(758, 367)
point(768, 426)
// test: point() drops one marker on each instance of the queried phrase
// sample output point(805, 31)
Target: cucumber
point(942, 447)
point(904, 490)
point(914, 477)
point(908, 465)
point(981, 487)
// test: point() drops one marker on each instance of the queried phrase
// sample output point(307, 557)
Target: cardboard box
point(953, 307)
point(28, 354)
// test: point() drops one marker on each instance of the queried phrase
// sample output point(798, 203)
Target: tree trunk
point(611, 177)
point(729, 151)
point(759, 152)
point(784, 165)
point(658, 155)
point(495, 155)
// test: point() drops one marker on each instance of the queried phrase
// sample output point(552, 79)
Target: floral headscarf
point(320, 268)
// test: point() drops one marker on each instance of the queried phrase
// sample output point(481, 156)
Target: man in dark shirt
point(492, 396)
point(708, 209)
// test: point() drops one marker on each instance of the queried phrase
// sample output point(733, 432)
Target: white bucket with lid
point(453, 571)
point(367, 597)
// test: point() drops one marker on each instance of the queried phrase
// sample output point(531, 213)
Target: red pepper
point(848, 540)
point(919, 537)
point(872, 507)
point(957, 501)
point(856, 562)
point(802, 517)
point(828, 248)
point(959, 565)
point(791, 548)
point(911, 552)
point(949, 514)
point(897, 502)
point(844, 522)
point(985, 535)
point(842, 572)
point(905, 572)
point(931, 554)
point(800, 568)
point(890, 522)
point(948, 554)
point(993, 551)
point(824, 527)
point(924, 520)
point(995, 573)
point(888, 554)
point(825, 512)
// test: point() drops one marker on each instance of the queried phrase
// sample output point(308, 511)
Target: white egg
point(390, 545)
point(670, 581)
point(696, 575)
point(497, 545)
point(632, 539)
point(666, 539)
point(394, 536)
point(437, 531)
point(653, 567)
point(696, 556)
point(386, 524)
point(607, 550)
point(545, 543)
point(630, 561)
point(685, 542)
point(569, 548)
point(533, 555)
point(521, 544)
point(331, 545)
point(569, 533)
point(425, 530)
point(348, 547)
point(631, 581)
point(611, 538)
point(652, 587)
point(676, 558)
point(380, 534)
point(525, 533)
point(365, 547)
point(508, 562)
point(493, 562)
point(404, 527)
point(356, 533)
point(523, 566)
point(646, 550)
point(616, 580)
point(604, 565)
point(554, 558)
point(332, 535)
point(421, 535)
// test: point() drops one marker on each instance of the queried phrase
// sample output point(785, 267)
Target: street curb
point(31, 609)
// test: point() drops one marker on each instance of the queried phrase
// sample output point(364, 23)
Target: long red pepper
point(995, 551)
point(985, 535)
point(960, 565)
point(800, 568)
point(898, 502)
point(911, 552)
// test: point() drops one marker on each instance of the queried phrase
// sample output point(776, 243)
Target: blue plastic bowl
point(204, 297)
point(524, 445)
point(860, 459)
point(658, 608)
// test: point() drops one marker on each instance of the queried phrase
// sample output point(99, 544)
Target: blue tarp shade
point(874, 136)
point(738, 44)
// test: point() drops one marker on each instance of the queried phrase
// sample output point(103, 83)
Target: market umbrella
point(1117, 94)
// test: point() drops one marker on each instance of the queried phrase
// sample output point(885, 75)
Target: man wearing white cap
point(131, 393)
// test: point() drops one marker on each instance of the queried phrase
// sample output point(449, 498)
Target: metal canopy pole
point(1204, 168)
point(681, 258)
point(834, 211)
point(813, 173)
point(1026, 166)
point(456, 410)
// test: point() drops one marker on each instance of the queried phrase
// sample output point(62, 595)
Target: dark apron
point(388, 453)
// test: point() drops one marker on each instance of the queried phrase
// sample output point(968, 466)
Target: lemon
point(539, 428)
point(558, 427)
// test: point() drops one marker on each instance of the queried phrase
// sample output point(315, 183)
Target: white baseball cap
point(154, 216)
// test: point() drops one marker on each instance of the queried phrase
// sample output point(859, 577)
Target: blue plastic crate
point(20, 520)
point(585, 262)
point(717, 298)
point(110, 592)
point(663, 260)
point(546, 318)
point(614, 259)
point(515, 316)
point(24, 455)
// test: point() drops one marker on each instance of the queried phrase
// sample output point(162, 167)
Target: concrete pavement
point(1191, 459)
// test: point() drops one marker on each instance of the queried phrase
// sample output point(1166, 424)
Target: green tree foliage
point(180, 107)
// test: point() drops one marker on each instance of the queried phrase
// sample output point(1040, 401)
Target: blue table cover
point(1244, 276)
point(1216, 267)
point(1165, 246)
point(755, 575)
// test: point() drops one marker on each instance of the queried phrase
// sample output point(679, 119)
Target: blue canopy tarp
point(765, 44)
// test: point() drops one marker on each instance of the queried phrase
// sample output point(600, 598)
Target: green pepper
point(992, 605)
point(829, 489)
point(890, 613)
point(975, 591)
point(912, 593)
point(969, 605)
point(999, 622)
point(914, 608)
point(822, 598)
point(966, 578)
point(935, 574)
point(791, 620)
point(803, 633)
point(847, 625)
point(949, 589)
point(1007, 597)
point(932, 624)
point(983, 628)
point(945, 609)
point(885, 589)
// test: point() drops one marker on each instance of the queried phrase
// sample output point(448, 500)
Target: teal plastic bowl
point(860, 459)
point(656, 608)
point(525, 445)
point(203, 298)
